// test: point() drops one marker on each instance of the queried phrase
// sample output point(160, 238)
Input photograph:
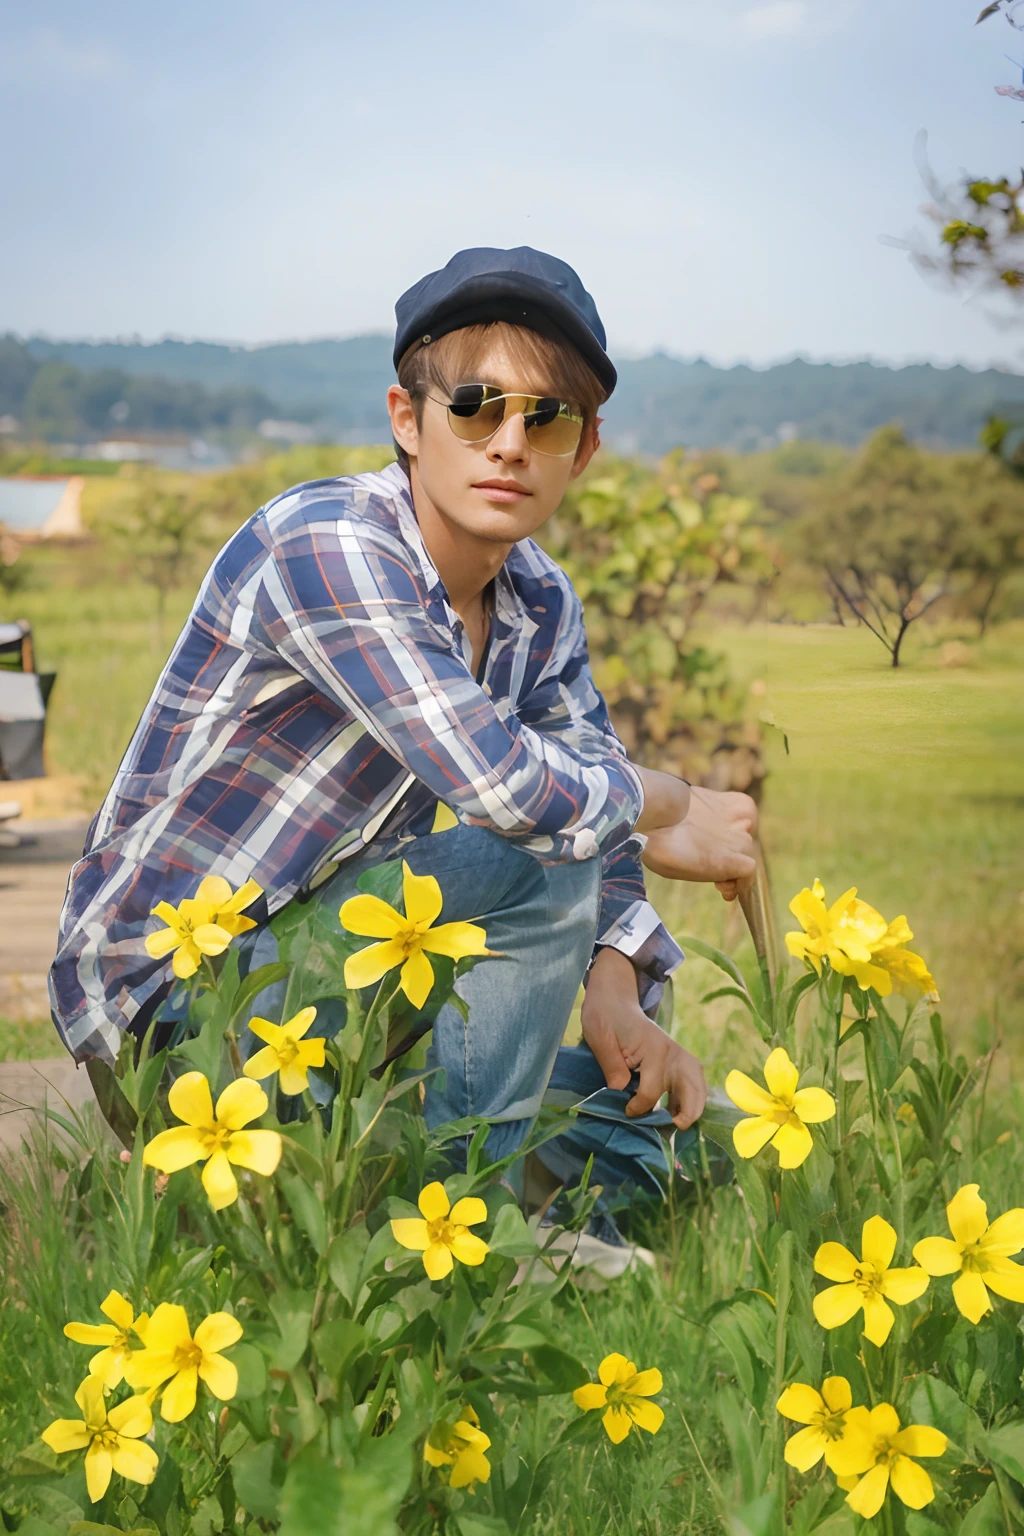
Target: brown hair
point(542, 363)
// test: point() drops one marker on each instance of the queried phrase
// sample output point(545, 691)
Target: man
point(373, 658)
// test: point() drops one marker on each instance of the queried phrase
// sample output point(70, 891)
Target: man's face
point(500, 490)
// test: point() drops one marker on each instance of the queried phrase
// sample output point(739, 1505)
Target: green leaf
point(920, 1525)
point(481, 1525)
point(257, 1473)
point(511, 1235)
point(563, 1370)
point(292, 1311)
point(308, 1210)
point(986, 1517)
point(254, 984)
point(933, 1402)
point(1005, 1447)
point(252, 1370)
point(336, 1343)
point(758, 1518)
point(322, 1498)
point(724, 963)
point(345, 1260)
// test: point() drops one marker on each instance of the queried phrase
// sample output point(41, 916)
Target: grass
point(31, 1041)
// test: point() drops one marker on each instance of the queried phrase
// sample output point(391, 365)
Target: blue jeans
point(507, 1058)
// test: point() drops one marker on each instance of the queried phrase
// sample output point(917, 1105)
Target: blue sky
point(720, 172)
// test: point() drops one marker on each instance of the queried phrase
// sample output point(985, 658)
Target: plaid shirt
point(321, 687)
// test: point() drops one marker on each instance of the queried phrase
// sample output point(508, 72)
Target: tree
point(891, 536)
point(163, 534)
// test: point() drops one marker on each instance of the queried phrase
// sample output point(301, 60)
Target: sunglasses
point(476, 411)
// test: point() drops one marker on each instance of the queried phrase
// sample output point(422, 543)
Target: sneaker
point(600, 1252)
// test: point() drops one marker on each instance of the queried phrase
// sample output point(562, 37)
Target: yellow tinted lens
point(553, 427)
point(476, 411)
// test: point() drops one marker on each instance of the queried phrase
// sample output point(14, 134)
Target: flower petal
point(836, 1394)
point(422, 897)
point(243, 897)
point(133, 1417)
point(869, 1495)
point(411, 1232)
point(646, 1415)
point(813, 1105)
point(136, 1461)
point(433, 1201)
point(971, 1296)
point(967, 1215)
point(293, 1079)
point(878, 1319)
point(911, 1483)
point(781, 1075)
point(214, 890)
point(168, 1327)
point(444, 818)
point(371, 917)
point(1005, 1278)
point(367, 966)
point(118, 1309)
point(220, 1375)
point(470, 1467)
point(877, 1242)
point(793, 1143)
point(748, 1095)
point(920, 1440)
point(186, 960)
point(265, 1029)
point(469, 1211)
point(884, 1421)
point(437, 1261)
point(98, 1467)
point(219, 1182)
point(263, 1064)
point(855, 1451)
point(174, 1149)
point(417, 978)
point(837, 1305)
point(312, 1053)
point(903, 1285)
point(938, 1256)
point(258, 1150)
point(468, 1248)
point(749, 1136)
point(161, 942)
point(592, 1395)
point(92, 1333)
point(616, 1370)
point(617, 1424)
point(89, 1398)
point(189, 1099)
point(805, 1448)
point(211, 939)
point(298, 1024)
point(456, 940)
point(218, 1331)
point(179, 1396)
point(66, 1435)
point(241, 1102)
point(646, 1383)
point(1006, 1233)
point(800, 1403)
point(835, 1262)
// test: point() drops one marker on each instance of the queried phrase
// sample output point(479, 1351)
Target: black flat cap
point(521, 286)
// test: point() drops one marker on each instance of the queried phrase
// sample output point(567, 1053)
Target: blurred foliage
point(644, 548)
point(900, 530)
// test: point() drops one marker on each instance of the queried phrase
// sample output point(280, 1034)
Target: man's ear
point(590, 442)
point(403, 420)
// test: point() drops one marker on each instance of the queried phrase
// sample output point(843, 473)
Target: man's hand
point(624, 1039)
point(713, 842)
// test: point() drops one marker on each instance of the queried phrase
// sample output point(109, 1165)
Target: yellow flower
point(406, 938)
point(110, 1439)
point(866, 1282)
point(172, 1352)
point(835, 1429)
point(215, 1138)
point(441, 1235)
point(892, 1448)
point(460, 1446)
point(203, 924)
point(286, 1052)
point(979, 1254)
point(109, 1364)
point(844, 934)
point(622, 1391)
point(907, 971)
point(781, 1115)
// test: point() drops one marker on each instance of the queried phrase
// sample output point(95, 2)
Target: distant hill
point(661, 401)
